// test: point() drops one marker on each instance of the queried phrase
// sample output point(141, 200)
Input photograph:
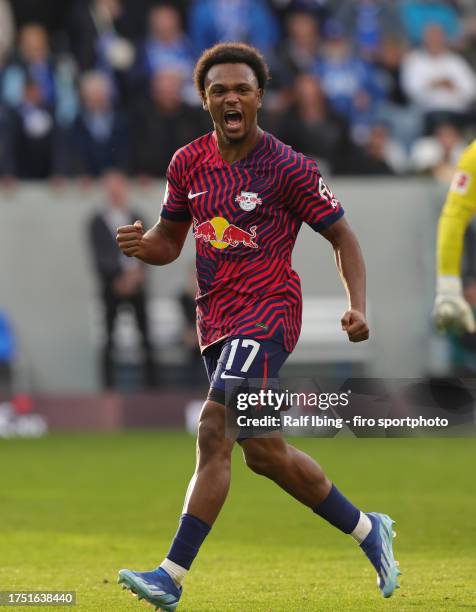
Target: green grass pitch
point(74, 509)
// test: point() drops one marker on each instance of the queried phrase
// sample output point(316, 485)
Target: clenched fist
point(129, 239)
point(355, 324)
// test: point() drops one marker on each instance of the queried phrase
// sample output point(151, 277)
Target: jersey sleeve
point(175, 204)
point(459, 208)
point(309, 196)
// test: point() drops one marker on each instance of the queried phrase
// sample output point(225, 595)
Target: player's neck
point(233, 152)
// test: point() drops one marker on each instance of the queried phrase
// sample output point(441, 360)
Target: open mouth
point(233, 119)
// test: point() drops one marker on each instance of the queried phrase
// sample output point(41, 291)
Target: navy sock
point(338, 511)
point(188, 539)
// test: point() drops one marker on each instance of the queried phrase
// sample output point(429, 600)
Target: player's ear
point(260, 97)
point(203, 96)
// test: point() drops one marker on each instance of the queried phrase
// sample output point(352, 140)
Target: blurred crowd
point(367, 87)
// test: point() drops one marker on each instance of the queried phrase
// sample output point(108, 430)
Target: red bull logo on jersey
point(221, 234)
point(248, 200)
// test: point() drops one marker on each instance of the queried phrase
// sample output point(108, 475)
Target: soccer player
point(246, 195)
point(451, 309)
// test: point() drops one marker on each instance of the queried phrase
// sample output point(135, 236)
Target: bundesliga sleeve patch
point(461, 182)
point(327, 194)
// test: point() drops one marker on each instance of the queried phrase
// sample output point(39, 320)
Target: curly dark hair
point(231, 53)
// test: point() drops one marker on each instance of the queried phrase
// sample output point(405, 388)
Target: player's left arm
point(351, 266)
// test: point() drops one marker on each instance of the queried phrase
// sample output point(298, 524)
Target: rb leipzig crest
point(248, 200)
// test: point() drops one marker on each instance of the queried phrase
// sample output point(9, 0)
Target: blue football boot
point(156, 587)
point(379, 550)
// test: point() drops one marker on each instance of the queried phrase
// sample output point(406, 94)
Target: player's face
point(232, 97)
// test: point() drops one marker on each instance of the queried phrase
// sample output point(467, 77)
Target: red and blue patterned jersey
point(246, 217)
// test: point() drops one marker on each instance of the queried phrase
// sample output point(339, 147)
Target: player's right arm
point(159, 246)
point(451, 309)
point(163, 243)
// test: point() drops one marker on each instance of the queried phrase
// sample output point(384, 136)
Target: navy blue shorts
point(241, 364)
point(240, 359)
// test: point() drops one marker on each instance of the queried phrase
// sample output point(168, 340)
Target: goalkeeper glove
point(451, 310)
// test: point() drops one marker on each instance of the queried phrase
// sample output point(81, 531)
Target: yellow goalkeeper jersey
point(459, 208)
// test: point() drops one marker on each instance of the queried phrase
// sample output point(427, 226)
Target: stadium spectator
point(161, 125)
point(320, 9)
point(100, 133)
point(165, 48)
point(250, 21)
point(309, 126)
point(102, 38)
point(33, 136)
point(438, 153)
point(417, 14)
point(121, 280)
point(368, 22)
point(378, 155)
point(350, 84)
point(54, 75)
point(398, 88)
point(299, 51)
point(100, 35)
point(440, 82)
point(50, 14)
point(404, 119)
point(34, 61)
point(7, 31)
